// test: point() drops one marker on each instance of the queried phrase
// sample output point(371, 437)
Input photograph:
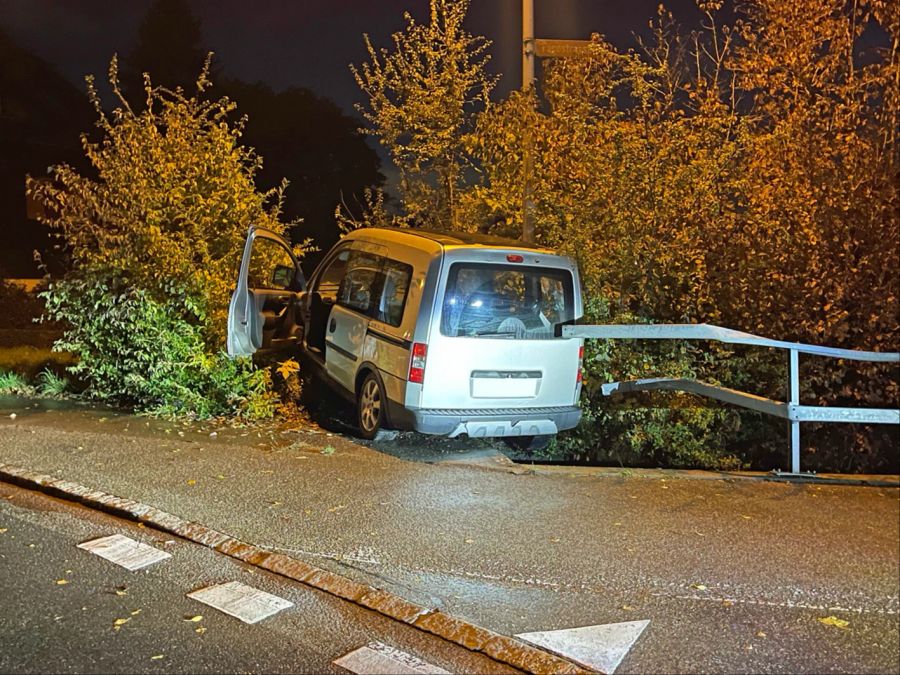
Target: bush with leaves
point(137, 350)
point(171, 202)
point(741, 175)
point(154, 238)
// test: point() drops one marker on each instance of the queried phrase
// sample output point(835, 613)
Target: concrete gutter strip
point(458, 631)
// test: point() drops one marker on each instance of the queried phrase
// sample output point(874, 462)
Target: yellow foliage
point(172, 199)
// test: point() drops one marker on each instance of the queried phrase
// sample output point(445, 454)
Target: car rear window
point(509, 301)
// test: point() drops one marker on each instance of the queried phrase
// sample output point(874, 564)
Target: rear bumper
point(487, 422)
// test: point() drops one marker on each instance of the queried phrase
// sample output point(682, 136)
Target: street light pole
point(527, 84)
point(527, 44)
point(532, 49)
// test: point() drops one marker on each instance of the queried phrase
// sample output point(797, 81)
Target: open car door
point(264, 313)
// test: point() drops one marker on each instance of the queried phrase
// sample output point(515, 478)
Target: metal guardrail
point(790, 410)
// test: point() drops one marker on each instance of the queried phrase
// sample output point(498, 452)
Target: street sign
point(563, 49)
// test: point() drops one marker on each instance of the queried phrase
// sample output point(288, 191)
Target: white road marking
point(600, 647)
point(121, 550)
point(240, 601)
point(376, 658)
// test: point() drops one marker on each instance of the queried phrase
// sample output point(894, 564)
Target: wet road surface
point(61, 606)
point(734, 576)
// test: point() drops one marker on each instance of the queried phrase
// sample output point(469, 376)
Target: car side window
point(360, 285)
point(394, 292)
point(329, 282)
point(271, 266)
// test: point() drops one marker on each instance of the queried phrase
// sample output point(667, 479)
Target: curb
point(458, 631)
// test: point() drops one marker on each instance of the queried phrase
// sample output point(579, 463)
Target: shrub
point(154, 235)
point(18, 308)
point(136, 350)
point(652, 428)
point(173, 197)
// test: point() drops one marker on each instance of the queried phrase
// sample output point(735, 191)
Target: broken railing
point(790, 410)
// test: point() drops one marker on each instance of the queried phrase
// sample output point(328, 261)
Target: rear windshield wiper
point(493, 333)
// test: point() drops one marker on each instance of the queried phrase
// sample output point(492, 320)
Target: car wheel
point(528, 443)
point(370, 405)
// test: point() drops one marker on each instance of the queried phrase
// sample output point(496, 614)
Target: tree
point(41, 115)
point(309, 141)
point(169, 46)
point(154, 240)
point(172, 201)
point(423, 96)
point(744, 175)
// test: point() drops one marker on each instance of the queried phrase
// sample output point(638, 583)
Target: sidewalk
point(712, 563)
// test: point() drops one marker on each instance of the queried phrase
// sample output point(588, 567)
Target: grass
point(13, 383)
point(52, 385)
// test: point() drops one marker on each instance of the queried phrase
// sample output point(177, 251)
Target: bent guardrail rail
point(790, 410)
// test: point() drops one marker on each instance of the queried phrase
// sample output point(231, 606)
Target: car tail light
point(512, 257)
point(580, 362)
point(417, 363)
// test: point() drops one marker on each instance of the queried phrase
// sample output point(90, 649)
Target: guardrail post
point(795, 400)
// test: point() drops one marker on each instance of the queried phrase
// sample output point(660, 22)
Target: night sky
point(308, 43)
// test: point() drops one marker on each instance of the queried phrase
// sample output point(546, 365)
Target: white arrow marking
point(376, 658)
point(600, 647)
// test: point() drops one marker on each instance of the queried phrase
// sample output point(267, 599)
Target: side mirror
point(282, 276)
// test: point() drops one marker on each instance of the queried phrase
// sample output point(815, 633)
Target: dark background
point(286, 65)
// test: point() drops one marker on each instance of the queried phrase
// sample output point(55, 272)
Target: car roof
point(454, 239)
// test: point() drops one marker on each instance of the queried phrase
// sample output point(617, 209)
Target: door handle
point(332, 325)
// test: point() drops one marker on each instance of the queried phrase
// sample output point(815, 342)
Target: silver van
point(441, 333)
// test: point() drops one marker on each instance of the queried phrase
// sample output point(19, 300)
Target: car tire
point(370, 406)
point(528, 443)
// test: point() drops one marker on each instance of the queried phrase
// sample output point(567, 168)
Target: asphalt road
point(61, 605)
point(734, 576)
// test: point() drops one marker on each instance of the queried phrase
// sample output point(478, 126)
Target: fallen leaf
point(727, 603)
point(220, 477)
point(327, 450)
point(191, 481)
point(62, 582)
point(469, 541)
point(195, 618)
point(118, 623)
point(156, 657)
point(834, 621)
point(3, 529)
point(200, 629)
point(121, 591)
point(555, 540)
point(760, 634)
point(136, 612)
point(746, 517)
point(627, 608)
point(698, 587)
